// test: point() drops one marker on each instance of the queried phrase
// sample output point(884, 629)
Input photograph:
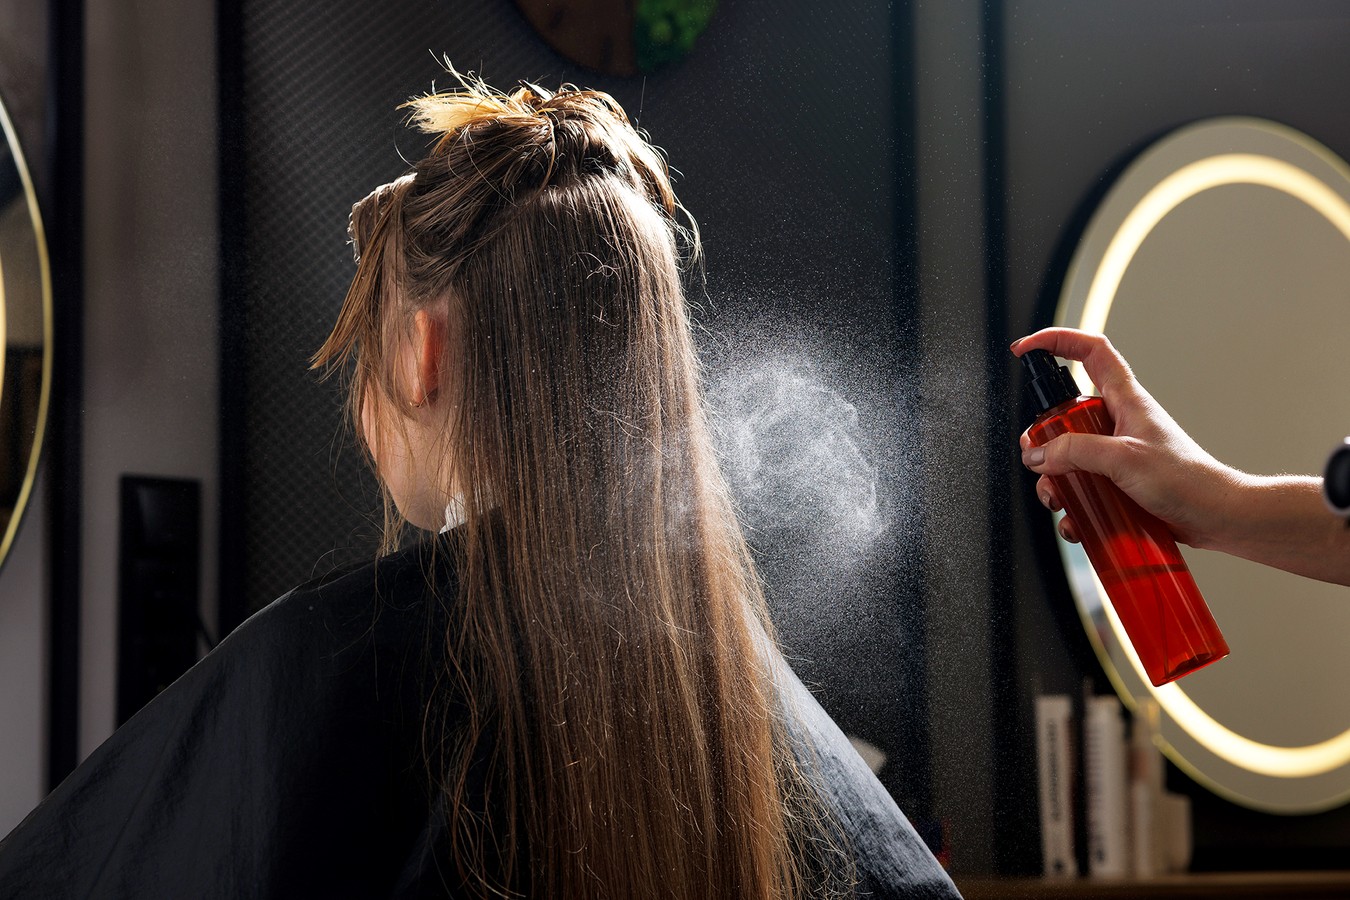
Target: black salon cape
point(286, 763)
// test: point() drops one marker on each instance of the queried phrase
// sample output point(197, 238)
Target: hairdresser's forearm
point(1282, 521)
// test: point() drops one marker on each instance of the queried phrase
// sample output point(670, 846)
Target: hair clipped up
point(493, 152)
point(549, 136)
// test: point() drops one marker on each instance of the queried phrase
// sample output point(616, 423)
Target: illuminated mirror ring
point(1184, 165)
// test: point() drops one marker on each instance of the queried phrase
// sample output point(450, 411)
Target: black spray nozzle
point(1050, 383)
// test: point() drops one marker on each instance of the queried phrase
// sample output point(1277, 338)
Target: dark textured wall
point(785, 127)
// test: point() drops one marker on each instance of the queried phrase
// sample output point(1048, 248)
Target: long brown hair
point(609, 638)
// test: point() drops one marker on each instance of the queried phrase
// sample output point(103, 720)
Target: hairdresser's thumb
point(1075, 452)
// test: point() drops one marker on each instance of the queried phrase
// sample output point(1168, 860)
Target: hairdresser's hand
point(1278, 520)
point(1149, 457)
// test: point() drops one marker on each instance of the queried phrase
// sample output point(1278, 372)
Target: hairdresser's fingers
point(1049, 497)
point(1174, 479)
point(1066, 343)
point(1047, 493)
point(1103, 363)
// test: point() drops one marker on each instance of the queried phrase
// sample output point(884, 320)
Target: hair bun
point(546, 136)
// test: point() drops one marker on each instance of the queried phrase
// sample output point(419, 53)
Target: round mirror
point(25, 335)
point(1219, 265)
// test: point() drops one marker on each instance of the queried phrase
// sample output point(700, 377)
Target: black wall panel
point(158, 573)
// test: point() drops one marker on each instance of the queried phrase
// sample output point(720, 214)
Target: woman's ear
point(428, 350)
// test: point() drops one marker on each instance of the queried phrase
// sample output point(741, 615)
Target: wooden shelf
point(1205, 886)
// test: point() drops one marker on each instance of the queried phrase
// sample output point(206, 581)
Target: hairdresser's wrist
point(1204, 502)
point(1281, 521)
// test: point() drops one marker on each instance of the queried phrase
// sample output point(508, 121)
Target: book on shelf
point(1106, 788)
point(1130, 825)
point(1055, 776)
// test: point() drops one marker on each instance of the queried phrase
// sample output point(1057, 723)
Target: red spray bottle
point(1137, 561)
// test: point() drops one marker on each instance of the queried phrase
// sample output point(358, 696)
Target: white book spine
point(1105, 788)
point(1146, 792)
point(1176, 830)
point(1054, 729)
point(1143, 828)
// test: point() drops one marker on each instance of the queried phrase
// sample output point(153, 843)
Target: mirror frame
point(31, 445)
point(1192, 159)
